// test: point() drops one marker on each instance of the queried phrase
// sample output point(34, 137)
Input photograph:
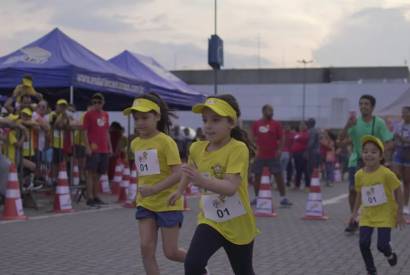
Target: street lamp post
point(304, 62)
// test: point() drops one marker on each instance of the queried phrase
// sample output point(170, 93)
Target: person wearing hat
point(355, 129)
point(25, 88)
point(380, 199)
point(98, 147)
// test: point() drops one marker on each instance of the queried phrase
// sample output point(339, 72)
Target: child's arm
point(398, 195)
point(181, 188)
point(357, 204)
point(166, 183)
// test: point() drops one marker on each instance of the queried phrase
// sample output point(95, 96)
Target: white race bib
point(147, 162)
point(373, 195)
point(220, 208)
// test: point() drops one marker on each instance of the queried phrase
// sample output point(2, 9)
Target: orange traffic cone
point(124, 184)
point(264, 202)
point(338, 173)
point(116, 181)
point(13, 207)
point(314, 205)
point(76, 173)
point(105, 184)
point(62, 198)
point(132, 190)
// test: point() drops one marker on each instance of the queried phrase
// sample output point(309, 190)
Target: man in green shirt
point(356, 128)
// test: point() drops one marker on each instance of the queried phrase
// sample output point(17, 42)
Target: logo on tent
point(34, 55)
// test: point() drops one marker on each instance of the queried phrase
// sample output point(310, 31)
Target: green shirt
point(375, 127)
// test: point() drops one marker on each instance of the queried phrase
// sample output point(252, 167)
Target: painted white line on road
point(42, 217)
point(335, 200)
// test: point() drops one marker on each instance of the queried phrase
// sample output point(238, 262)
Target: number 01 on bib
point(147, 162)
point(373, 195)
point(220, 209)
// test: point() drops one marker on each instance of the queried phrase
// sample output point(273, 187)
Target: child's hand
point(174, 197)
point(401, 221)
point(352, 218)
point(191, 172)
point(146, 191)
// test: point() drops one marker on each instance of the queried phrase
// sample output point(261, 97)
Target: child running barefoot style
point(381, 200)
point(158, 167)
point(219, 167)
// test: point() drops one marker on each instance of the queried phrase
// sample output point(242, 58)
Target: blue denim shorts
point(163, 219)
point(399, 159)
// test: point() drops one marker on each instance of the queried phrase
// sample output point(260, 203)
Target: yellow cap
point(373, 139)
point(142, 105)
point(27, 111)
point(62, 102)
point(219, 106)
point(27, 82)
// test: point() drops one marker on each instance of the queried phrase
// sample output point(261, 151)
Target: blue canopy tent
point(160, 80)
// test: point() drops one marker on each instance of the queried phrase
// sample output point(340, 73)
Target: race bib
point(220, 208)
point(373, 195)
point(147, 162)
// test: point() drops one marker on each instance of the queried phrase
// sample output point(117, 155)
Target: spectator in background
point(23, 92)
point(41, 138)
point(179, 139)
point(313, 148)
point(401, 155)
point(98, 147)
point(59, 121)
point(269, 139)
point(286, 156)
point(187, 141)
point(199, 134)
point(299, 149)
point(327, 145)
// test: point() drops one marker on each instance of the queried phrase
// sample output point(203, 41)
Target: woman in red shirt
point(298, 148)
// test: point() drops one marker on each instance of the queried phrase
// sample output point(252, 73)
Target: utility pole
point(304, 62)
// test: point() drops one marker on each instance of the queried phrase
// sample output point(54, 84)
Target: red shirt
point(267, 134)
point(300, 142)
point(96, 124)
point(289, 136)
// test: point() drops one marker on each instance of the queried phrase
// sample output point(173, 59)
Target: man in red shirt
point(269, 141)
point(98, 146)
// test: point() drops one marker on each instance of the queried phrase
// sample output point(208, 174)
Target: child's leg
point(365, 241)
point(148, 239)
point(383, 241)
point(240, 257)
point(204, 244)
point(170, 244)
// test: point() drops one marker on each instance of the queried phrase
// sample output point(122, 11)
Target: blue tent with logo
point(159, 79)
point(61, 67)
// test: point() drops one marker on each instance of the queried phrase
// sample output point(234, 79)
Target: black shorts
point(58, 155)
point(273, 164)
point(79, 151)
point(98, 163)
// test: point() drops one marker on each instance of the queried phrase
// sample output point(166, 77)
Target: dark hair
point(28, 76)
point(407, 108)
point(266, 106)
point(237, 132)
point(371, 98)
point(311, 122)
point(97, 96)
point(164, 123)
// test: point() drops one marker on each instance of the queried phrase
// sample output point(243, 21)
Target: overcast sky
point(175, 32)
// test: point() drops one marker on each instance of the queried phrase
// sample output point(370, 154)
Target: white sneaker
point(406, 210)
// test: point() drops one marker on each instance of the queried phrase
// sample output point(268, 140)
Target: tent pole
point(71, 94)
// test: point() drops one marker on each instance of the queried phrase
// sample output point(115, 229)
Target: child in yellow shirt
point(381, 202)
point(220, 165)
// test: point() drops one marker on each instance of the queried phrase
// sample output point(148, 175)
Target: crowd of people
point(221, 161)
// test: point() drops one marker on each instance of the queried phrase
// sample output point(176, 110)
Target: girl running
point(381, 200)
point(219, 166)
point(158, 166)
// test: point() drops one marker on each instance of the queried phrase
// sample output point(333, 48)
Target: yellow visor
point(142, 105)
point(27, 111)
point(62, 102)
point(27, 82)
point(375, 140)
point(219, 106)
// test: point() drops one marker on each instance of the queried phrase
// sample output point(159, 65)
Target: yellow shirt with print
point(57, 136)
point(168, 155)
point(79, 136)
point(28, 147)
point(383, 215)
point(233, 158)
point(10, 146)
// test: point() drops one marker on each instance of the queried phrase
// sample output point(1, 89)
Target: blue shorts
point(352, 172)
point(163, 219)
point(399, 159)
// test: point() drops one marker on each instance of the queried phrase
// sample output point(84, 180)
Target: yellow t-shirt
point(233, 158)
point(28, 147)
point(153, 158)
point(57, 136)
point(79, 138)
point(10, 147)
point(382, 215)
